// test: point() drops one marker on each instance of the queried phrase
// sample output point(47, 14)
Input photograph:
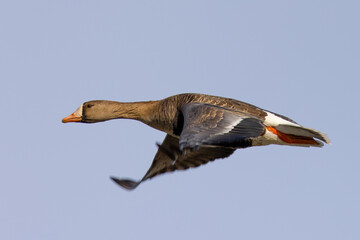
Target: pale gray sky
point(297, 58)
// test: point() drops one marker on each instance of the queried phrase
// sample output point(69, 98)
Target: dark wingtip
point(126, 183)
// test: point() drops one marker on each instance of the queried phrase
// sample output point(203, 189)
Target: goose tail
point(298, 135)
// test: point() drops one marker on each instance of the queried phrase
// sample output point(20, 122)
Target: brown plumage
point(200, 128)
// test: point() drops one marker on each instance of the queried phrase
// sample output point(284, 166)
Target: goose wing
point(210, 125)
point(170, 158)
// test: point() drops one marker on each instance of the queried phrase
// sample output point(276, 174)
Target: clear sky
point(297, 58)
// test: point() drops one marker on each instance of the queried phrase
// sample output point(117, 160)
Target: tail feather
point(303, 132)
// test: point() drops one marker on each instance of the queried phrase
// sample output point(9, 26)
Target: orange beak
point(74, 117)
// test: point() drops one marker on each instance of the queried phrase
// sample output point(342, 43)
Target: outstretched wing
point(169, 158)
point(209, 125)
point(208, 132)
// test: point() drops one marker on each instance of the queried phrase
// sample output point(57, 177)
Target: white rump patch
point(273, 120)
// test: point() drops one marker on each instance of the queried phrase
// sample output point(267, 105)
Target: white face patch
point(78, 112)
point(273, 120)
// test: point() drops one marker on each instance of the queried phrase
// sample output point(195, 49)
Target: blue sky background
point(297, 58)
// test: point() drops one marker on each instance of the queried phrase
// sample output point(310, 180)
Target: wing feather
point(169, 158)
point(209, 125)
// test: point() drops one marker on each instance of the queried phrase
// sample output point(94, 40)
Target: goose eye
point(90, 105)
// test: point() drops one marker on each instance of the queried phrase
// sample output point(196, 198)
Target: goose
point(199, 128)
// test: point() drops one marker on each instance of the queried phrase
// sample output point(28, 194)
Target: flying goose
point(200, 128)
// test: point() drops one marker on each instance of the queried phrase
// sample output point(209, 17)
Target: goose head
point(93, 111)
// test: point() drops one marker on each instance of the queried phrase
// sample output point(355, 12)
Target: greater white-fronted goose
point(200, 128)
